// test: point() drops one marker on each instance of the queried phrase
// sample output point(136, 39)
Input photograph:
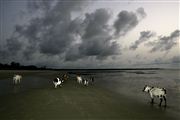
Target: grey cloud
point(158, 61)
point(54, 5)
point(34, 5)
point(58, 28)
point(13, 45)
point(30, 31)
point(127, 20)
point(141, 13)
point(172, 60)
point(3, 55)
point(96, 22)
point(165, 43)
point(76, 26)
point(97, 39)
point(73, 53)
point(55, 33)
point(144, 36)
point(11, 49)
point(30, 34)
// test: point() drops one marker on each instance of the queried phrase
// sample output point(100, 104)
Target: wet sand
point(74, 101)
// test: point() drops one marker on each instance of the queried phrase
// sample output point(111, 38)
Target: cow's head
point(146, 88)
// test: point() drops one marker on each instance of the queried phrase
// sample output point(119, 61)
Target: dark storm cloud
point(128, 20)
point(52, 32)
point(40, 4)
point(30, 35)
point(73, 53)
point(13, 45)
point(54, 5)
point(165, 43)
point(144, 36)
point(97, 38)
point(3, 54)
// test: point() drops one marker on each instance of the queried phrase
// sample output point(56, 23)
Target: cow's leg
point(60, 85)
point(160, 101)
point(55, 85)
point(16, 81)
point(164, 97)
point(152, 98)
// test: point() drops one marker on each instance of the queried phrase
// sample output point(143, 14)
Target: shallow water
point(131, 83)
point(127, 82)
point(27, 83)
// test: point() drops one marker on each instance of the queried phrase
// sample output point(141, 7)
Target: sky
point(90, 34)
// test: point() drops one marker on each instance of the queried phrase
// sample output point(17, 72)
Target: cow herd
point(58, 81)
point(153, 91)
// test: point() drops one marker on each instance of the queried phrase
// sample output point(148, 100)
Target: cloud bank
point(53, 33)
point(165, 43)
point(144, 36)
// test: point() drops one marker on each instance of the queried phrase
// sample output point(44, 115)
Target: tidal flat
point(115, 95)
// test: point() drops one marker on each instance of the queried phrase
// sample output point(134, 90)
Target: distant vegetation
point(18, 66)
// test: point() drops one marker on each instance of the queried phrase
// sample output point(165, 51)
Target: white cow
point(156, 92)
point(86, 82)
point(17, 79)
point(79, 79)
point(57, 82)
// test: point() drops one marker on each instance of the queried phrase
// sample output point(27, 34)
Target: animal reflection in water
point(156, 92)
point(16, 88)
point(17, 79)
